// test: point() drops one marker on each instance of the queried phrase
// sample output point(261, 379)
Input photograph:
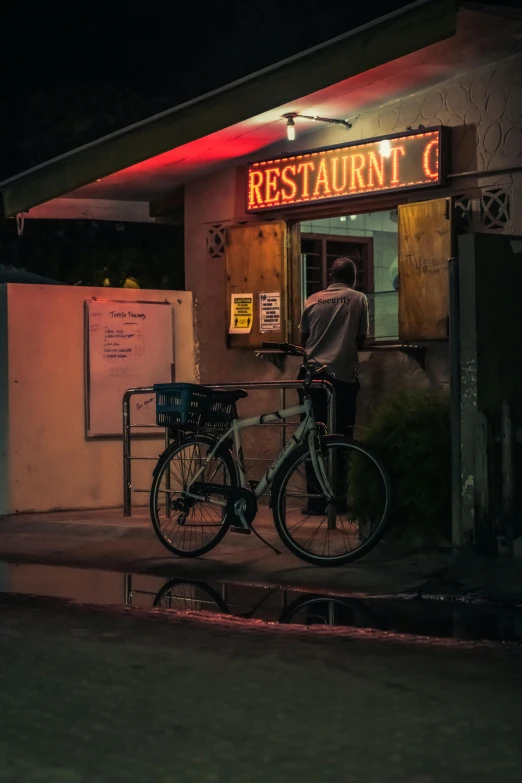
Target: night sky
point(71, 63)
point(73, 72)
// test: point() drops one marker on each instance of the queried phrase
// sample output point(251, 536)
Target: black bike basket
point(187, 406)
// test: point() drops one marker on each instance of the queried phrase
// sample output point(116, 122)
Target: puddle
point(423, 617)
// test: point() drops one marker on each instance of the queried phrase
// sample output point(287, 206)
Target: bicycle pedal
point(239, 529)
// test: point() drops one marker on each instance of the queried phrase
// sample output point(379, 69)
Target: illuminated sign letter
point(374, 169)
point(395, 164)
point(254, 188)
point(271, 176)
point(288, 196)
point(342, 186)
point(432, 174)
point(356, 172)
point(322, 179)
point(305, 168)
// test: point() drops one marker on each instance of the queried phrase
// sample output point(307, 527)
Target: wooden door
point(256, 259)
point(425, 246)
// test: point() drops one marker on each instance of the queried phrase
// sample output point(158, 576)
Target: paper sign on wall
point(241, 313)
point(270, 311)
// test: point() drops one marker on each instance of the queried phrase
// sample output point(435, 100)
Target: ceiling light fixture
point(290, 124)
point(290, 129)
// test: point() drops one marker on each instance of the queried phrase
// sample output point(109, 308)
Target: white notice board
point(128, 344)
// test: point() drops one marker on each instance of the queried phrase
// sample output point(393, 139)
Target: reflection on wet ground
point(466, 620)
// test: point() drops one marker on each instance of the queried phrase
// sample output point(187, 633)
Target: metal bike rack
point(283, 386)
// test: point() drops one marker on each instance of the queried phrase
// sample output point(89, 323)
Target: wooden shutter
point(425, 245)
point(256, 258)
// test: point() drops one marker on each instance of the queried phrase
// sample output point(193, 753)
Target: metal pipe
point(127, 456)
point(127, 589)
point(332, 462)
point(283, 425)
point(484, 172)
point(332, 412)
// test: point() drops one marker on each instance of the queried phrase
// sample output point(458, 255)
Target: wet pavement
point(411, 614)
point(106, 540)
point(103, 694)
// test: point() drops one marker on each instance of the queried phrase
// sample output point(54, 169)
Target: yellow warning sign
point(241, 313)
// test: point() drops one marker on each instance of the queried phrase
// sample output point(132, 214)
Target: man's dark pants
point(345, 408)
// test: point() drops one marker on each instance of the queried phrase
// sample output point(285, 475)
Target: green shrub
point(410, 432)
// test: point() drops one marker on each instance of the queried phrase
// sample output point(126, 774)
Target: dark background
point(74, 72)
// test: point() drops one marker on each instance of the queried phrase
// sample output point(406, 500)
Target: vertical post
point(168, 496)
point(332, 417)
point(455, 395)
point(508, 477)
point(332, 466)
point(283, 424)
point(484, 535)
point(127, 589)
point(127, 503)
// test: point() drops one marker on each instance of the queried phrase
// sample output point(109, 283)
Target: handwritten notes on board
point(129, 345)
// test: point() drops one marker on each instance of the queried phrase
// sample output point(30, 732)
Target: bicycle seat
point(229, 396)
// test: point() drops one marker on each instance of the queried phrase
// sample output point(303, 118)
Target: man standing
point(334, 326)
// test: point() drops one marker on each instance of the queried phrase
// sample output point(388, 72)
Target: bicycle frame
point(306, 429)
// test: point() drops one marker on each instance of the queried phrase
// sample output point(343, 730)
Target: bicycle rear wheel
point(344, 529)
point(185, 526)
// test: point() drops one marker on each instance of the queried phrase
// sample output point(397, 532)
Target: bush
point(410, 432)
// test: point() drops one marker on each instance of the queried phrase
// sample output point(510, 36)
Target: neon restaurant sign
point(410, 160)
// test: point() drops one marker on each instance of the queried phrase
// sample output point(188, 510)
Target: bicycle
point(200, 489)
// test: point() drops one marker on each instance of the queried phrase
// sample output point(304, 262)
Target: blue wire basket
point(187, 406)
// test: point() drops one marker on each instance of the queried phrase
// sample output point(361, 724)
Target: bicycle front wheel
point(341, 530)
point(186, 526)
point(184, 595)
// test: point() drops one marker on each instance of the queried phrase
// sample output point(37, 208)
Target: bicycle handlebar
point(288, 348)
point(296, 350)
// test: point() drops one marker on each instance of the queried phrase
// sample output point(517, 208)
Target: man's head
point(344, 271)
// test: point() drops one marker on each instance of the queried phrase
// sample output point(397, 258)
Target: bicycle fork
point(320, 469)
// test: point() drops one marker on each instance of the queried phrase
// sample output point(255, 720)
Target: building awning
point(143, 164)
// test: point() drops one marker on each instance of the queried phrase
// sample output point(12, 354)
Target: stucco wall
point(50, 463)
point(483, 108)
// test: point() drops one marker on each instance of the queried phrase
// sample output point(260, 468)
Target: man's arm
point(304, 339)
